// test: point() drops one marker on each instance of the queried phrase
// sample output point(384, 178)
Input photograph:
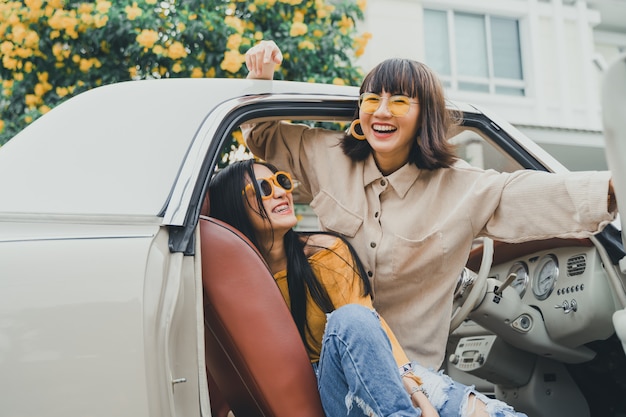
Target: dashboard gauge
point(520, 282)
point(545, 277)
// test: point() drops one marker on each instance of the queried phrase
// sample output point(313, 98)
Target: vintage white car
point(117, 294)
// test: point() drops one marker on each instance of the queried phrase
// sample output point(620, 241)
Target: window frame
point(453, 80)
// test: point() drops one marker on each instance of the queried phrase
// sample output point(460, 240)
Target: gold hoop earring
point(352, 131)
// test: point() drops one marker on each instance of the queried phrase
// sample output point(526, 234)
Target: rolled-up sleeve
point(539, 205)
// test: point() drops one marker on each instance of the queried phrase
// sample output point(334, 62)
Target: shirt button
point(376, 215)
point(383, 182)
point(370, 274)
point(373, 244)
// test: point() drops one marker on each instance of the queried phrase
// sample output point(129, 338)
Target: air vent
point(576, 265)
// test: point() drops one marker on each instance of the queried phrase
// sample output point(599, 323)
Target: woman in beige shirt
point(408, 206)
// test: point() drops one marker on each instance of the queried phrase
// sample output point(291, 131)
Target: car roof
point(117, 149)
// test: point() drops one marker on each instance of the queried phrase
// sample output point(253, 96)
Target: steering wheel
point(478, 287)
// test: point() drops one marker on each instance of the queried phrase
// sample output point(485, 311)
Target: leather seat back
point(254, 353)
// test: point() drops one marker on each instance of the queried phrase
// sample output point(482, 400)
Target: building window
point(474, 52)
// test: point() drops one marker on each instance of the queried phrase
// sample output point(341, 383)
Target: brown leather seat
point(254, 353)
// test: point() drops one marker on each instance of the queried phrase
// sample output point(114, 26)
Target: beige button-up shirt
point(414, 229)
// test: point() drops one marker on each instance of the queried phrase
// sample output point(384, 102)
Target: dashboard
point(556, 297)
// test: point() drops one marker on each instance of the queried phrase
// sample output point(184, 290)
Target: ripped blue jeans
point(358, 376)
point(452, 399)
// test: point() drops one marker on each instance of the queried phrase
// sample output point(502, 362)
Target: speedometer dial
point(545, 277)
point(520, 282)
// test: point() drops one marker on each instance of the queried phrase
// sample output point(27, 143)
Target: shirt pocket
point(418, 258)
point(334, 216)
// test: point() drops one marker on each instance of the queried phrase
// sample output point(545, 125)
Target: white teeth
point(281, 208)
point(384, 128)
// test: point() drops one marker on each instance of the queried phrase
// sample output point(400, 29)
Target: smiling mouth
point(281, 209)
point(383, 129)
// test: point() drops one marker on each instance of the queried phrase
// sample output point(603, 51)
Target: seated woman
point(360, 367)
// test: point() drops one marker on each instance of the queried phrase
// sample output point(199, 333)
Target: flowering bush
point(53, 49)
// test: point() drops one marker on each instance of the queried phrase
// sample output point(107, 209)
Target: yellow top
point(335, 268)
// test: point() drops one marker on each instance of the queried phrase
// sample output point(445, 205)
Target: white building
point(537, 63)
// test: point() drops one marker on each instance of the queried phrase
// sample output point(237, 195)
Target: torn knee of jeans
point(352, 400)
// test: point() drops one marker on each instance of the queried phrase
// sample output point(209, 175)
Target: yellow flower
point(196, 73)
point(18, 76)
point(33, 4)
point(28, 119)
point(57, 4)
point(298, 16)
point(60, 51)
point(151, 2)
point(210, 73)
point(360, 42)
point(31, 40)
point(318, 33)
point(85, 8)
point(19, 33)
point(346, 24)
point(235, 23)
point(298, 29)
point(238, 137)
point(362, 4)
point(86, 20)
point(339, 81)
point(100, 21)
point(176, 50)
point(306, 45)
point(6, 47)
point(147, 38)
point(234, 41)
point(258, 36)
point(103, 6)
point(62, 91)
point(31, 100)
point(253, 8)
point(9, 63)
point(44, 109)
point(132, 72)
point(158, 49)
point(1, 125)
point(85, 65)
point(232, 61)
point(39, 90)
point(133, 12)
point(177, 67)
point(180, 26)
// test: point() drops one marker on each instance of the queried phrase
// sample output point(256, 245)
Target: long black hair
point(228, 203)
point(431, 149)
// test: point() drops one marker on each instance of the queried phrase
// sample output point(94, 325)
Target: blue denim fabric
point(451, 399)
point(357, 374)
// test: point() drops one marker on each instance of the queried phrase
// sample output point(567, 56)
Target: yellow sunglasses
point(398, 105)
point(266, 185)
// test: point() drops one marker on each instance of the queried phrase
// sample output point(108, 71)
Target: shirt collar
point(401, 180)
